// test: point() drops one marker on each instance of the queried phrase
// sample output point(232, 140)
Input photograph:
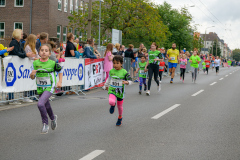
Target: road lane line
point(166, 111)
point(92, 155)
point(226, 75)
point(213, 83)
point(195, 94)
point(221, 79)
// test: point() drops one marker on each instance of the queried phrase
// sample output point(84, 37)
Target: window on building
point(59, 33)
point(65, 5)
point(64, 34)
point(71, 6)
point(70, 30)
point(76, 6)
point(75, 33)
point(2, 30)
point(18, 25)
point(80, 36)
point(59, 5)
point(19, 3)
point(2, 3)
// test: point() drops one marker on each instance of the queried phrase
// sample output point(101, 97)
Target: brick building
point(36, 16)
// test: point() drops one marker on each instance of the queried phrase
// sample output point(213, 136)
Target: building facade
point(36, 16)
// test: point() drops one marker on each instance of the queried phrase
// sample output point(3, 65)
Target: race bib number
point(204, 66)
point(44, 82)
point(142, 72)
point(161, 67)
point(172, 58)
point(116, 83)
point(183, 63)
point(207, 63)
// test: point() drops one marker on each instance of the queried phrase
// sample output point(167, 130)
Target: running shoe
point(180, 78)
point(140, 92)
point(119, 122)
point(136, 80)
point(182, 81)
point(148, 93)
point(111, 110)
point(171, 81)
point(54, 123)
point(160, 81)
point(45, 129)
point(159, 88)
point(145, 87)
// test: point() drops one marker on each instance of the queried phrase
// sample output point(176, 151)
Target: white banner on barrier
point(17, 74)
point(73, 71)
point(94, 76)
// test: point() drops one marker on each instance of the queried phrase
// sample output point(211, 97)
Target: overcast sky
point(225, 11)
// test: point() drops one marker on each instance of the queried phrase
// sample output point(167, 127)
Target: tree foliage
point(213, 49)
point(140, 21)
point(236, 54)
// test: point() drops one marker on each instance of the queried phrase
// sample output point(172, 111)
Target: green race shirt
point(154, 55)
point(194, 61)
point(141, 70)
point(229, 62)
point(204, 65)
point(45, 76)
point(116, 77)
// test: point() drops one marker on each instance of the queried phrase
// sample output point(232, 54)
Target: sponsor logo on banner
point(74, 72)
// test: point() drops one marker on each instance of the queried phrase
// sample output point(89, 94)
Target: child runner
point(161, 69)
point(204, 66)
point(153, 66)
point(217, 64)
point(142, 74)
point(183, 65)
point(229, 63)
point(194, 59)
point(44, 70)
point(118, 78)
point(207, 64)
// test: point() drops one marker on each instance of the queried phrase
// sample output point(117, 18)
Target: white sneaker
point(45, 129)
point(160, 81)
point(148, 93)
point(159, 88)
point(52, 97)
point(27, 100)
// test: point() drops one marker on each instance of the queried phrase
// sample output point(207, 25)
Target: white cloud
point(227, 12)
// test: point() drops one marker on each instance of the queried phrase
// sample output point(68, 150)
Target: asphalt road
point(183, 122)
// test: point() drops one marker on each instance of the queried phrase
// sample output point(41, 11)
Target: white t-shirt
point(217, 62)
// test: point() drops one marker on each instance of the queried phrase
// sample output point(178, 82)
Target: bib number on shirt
point(173, 58)
point(142, 72)
point(116, 83)
point(44, 82)
point(183, 63)
point(161, 67)
point(207, 63)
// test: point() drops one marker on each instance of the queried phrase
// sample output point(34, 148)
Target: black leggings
point(160, 75)
point(217, 69)
point(153, 69)
point(207, 70)
point(182, 70)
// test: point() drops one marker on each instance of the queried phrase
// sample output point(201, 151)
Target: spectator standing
point(30, 46)
point(23, 40)
point(43, 39)
point(70, 48)
point(108, 57)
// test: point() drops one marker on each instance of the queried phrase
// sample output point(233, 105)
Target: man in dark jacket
point(18, 50)
point(129, 52)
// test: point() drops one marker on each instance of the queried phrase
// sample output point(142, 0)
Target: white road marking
point(195, 94)
point(166, 111)
point(221, 79)
point(92, 155)
point(230, 73)
point(226, 75)
point(213, 83)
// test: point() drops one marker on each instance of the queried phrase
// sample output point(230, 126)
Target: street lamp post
point(205, 38)
point(99, 34)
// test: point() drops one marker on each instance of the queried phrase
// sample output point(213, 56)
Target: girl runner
point(118, 78)
point(204, 66)
point(194, 59)
point(161, 69)
point(142, 74)
point(153, 66)
point(217, 64)
point(44, 70)
point(207, 64)
point(229, 63)
point(183, 65)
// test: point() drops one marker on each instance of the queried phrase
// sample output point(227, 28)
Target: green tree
point(236, 54)
point(178, 22)
point(213, 49)
point(198, 43)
